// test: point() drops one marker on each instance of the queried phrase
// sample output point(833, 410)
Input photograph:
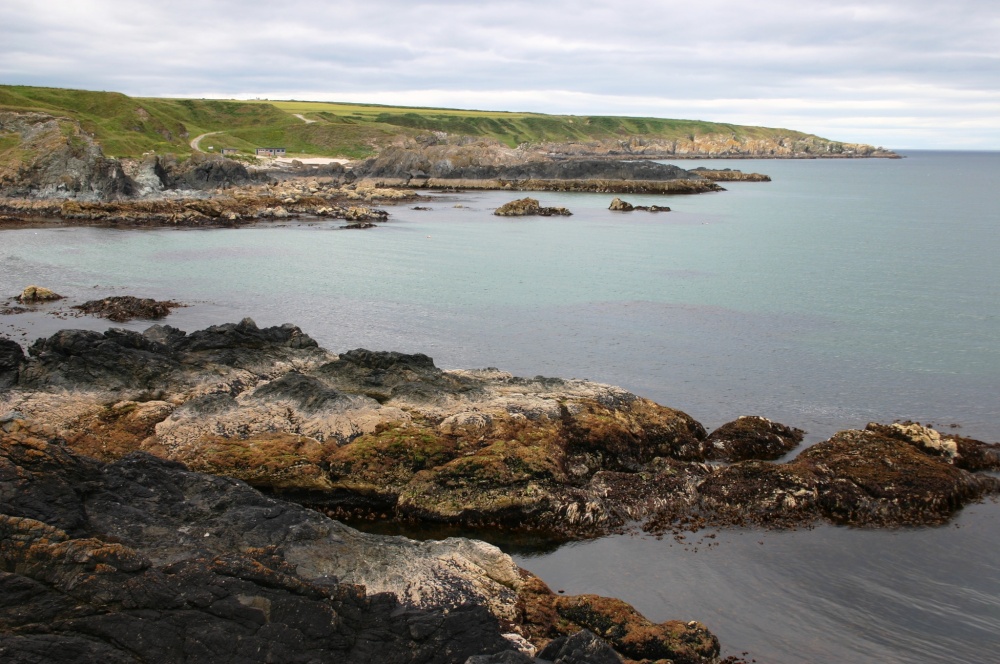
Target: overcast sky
point(897, 73)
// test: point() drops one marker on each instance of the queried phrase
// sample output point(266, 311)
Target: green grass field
point(129, 126)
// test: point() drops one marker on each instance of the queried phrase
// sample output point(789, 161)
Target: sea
point(840, 293)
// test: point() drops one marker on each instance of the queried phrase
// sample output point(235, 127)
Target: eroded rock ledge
point(142, 560)
point(308, 197)
point(390, 435)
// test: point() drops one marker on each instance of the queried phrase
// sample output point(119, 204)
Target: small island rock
point(33, 294)
point(524, 207)
point(619, 205)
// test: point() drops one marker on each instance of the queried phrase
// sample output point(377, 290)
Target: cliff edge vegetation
point(129, 126)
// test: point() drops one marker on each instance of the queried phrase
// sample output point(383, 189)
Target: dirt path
point(303, 118)
point(196, 141)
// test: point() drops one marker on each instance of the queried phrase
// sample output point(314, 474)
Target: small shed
point(270, 152)
point(230, 151)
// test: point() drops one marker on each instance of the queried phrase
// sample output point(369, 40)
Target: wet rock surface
point(122, 308)
point(391, 436)
point(143, 560)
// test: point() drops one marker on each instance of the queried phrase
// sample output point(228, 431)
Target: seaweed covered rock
point(879, 476)
point(122, 308)
point(749, 437)
point(392, 436)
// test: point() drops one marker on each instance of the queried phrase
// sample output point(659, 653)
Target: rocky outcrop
point(389, 435)
point(730, 175)
point(323, 198)
point(489, 160)
point(50, 157)
point(722, 145)
point(122, 308)
point(746, 438)
point(487, 164)
point(11, 359)
point(527, 207)
point(143, 560)
point(618, 205)
point(36, 294)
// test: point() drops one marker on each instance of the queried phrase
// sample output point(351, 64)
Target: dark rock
point(389, 360)
point(58, 159)
point(160, 358)
point(11, 360)
point(115, 360)
point(488, 161)
point(506, 657)
point(874, 477)
point(84, 557)
point(309, 394)
point(207, 172)
point(749, 437)
point(122, 308)
point(584, 647)
point(236, 607)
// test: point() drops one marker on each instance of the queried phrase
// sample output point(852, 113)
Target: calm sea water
point(840, 293)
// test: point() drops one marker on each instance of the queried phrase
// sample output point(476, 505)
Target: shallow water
point(825, 596)
point(842, 292)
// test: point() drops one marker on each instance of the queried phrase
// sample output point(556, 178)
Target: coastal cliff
point(45, 156)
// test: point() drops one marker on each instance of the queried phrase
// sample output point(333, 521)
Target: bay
point(841, 292)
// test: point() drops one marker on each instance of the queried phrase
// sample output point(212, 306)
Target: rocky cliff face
point(490, 160)
point(155, 173)
point(792, 146)
point(42, 156)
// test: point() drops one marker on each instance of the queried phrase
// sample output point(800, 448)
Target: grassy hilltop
point(128, 126)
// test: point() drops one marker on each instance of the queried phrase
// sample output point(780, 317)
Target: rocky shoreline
point(363, 432)
point(60, 172)
point(131, 505)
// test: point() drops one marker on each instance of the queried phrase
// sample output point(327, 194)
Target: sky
point(894, 73)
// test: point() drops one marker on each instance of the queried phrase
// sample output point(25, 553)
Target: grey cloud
point(606, 52)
